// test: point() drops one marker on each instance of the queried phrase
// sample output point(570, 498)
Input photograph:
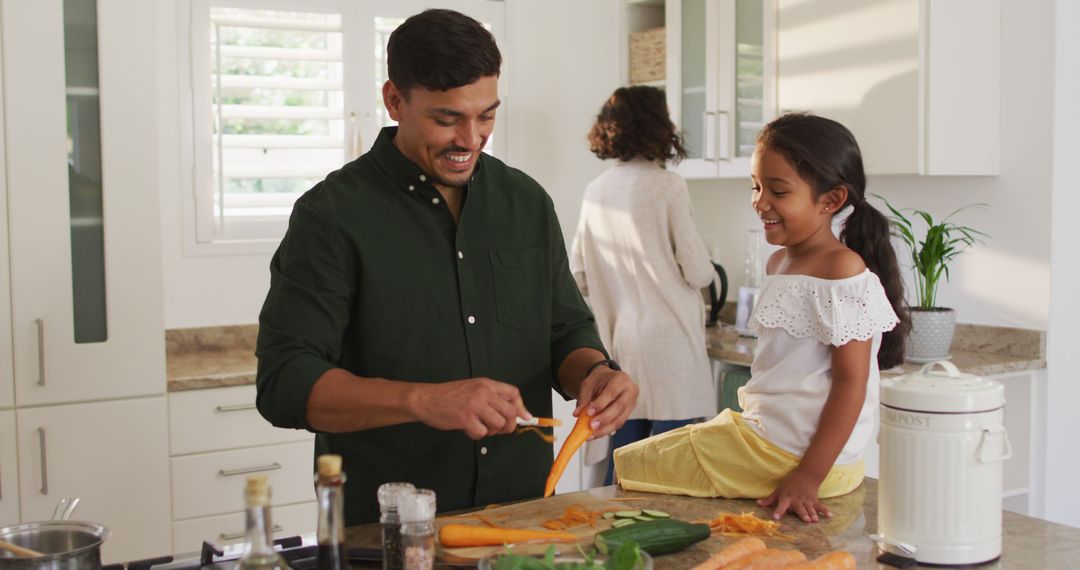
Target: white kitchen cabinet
point(7, 383)
point(85, 241)
point(916, 81)
point(720, 81)
point(9, 471)
point(112, 455)
point(217, 437)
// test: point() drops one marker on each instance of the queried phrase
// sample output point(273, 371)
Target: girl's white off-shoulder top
point(798, 319)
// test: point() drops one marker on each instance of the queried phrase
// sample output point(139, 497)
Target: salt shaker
point(418, 529)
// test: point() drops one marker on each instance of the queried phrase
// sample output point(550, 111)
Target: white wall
point(1063, 386)
point(1007, 281)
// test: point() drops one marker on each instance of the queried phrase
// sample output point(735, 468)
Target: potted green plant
point(932, 250)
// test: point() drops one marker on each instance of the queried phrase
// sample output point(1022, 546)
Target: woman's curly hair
point(634, 123)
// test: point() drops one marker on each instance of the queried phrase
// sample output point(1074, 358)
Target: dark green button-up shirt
point(374, 276)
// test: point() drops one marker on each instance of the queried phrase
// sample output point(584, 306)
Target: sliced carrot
point(532, 429)
point(577, 437)
point(835, 560)
point(463, 535)
point(778, 559)
point(743, 524)
point(731, 553)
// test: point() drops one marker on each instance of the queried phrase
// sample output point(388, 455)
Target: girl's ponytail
point(866, 232)
point(825, 153)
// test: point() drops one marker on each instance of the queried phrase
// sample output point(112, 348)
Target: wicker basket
point(647, 56)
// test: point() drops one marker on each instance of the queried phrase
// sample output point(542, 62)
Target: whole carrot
point(731, 553)
point(462, 535)
point(577, 437)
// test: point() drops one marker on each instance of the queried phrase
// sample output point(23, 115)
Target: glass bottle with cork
point(417, 512)
point(329, 484)
point(259, 553)
point(390, 494)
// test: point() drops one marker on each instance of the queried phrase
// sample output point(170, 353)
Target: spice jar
point(418, 529)
point(389, 496)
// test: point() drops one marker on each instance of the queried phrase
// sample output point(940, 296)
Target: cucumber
point(655, 514)
point(643, 518)
point(655, 537)
point(622, 522)
point(609, 515)
point(627, 514)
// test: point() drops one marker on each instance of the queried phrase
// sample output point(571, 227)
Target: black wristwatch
point(609, 363)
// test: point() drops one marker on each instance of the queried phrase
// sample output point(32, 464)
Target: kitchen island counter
point(1028, 542)
point(977, 349)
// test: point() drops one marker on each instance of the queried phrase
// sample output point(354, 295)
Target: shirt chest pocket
point(521, 282)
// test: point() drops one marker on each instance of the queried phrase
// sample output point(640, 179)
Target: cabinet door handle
point(723, 136)
point(44, 463)
point(236, 408)
point(238, 535)
point(706, 126)
point(246, 470)
point(40, 350)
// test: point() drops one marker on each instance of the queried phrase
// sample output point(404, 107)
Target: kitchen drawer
point(213, 483)
point(225, 529)
point(222, 418)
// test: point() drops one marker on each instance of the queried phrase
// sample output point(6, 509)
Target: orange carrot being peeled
point(462, 535)
point(577, 437)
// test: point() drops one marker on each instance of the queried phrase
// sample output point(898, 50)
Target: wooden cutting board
point(532, 515)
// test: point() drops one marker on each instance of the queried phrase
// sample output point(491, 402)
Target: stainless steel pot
point(66, 545)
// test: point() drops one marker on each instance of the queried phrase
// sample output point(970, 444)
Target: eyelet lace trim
point(831, 311)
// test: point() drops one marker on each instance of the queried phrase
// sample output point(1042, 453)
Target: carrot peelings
point(577, 437)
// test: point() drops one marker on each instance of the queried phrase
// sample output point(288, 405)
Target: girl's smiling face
point(785, 202)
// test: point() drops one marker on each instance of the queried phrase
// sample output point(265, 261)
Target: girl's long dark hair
point(825, 154)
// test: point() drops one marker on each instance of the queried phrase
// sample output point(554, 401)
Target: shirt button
point(472, 320)
point(423, 178)
point(411, 187)
point(435, 201)
point(483, 451)
point(460, 255)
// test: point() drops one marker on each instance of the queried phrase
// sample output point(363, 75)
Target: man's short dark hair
point(440, 50)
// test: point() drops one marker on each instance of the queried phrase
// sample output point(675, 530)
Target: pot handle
point(949, 367)
point(64, 508)
point(985, 453)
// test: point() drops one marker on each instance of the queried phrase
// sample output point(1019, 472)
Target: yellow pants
point(722, 457)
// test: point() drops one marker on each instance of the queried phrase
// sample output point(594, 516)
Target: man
point(421, 300)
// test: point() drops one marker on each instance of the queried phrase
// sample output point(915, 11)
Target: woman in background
point(639, 258)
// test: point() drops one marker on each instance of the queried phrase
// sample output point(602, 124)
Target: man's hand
point(609, 397)
point(481, 407)
point(798, 492)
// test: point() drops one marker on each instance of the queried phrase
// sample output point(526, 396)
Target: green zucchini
point(655, 537)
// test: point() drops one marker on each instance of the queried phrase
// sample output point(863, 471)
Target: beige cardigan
point(640, 260)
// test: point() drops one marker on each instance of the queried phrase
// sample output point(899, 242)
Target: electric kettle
point(716, 301)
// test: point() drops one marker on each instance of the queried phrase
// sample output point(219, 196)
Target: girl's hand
point(798, 492)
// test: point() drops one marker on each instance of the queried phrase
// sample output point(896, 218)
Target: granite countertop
point(977, 349)
point(1027, 542)
point(211, 357)
point(215, 357)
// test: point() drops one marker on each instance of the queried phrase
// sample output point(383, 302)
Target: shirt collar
point(404, 172)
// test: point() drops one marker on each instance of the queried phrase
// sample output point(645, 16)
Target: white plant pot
point(931, 334)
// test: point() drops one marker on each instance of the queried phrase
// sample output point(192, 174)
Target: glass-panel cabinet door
point(81, 155)
point(693, 91)
point(751, 101)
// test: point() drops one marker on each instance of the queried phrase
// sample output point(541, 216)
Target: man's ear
point(392, 99)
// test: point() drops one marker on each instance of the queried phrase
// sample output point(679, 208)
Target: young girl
point(829, 316)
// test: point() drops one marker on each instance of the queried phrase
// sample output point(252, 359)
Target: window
point(283, 93)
